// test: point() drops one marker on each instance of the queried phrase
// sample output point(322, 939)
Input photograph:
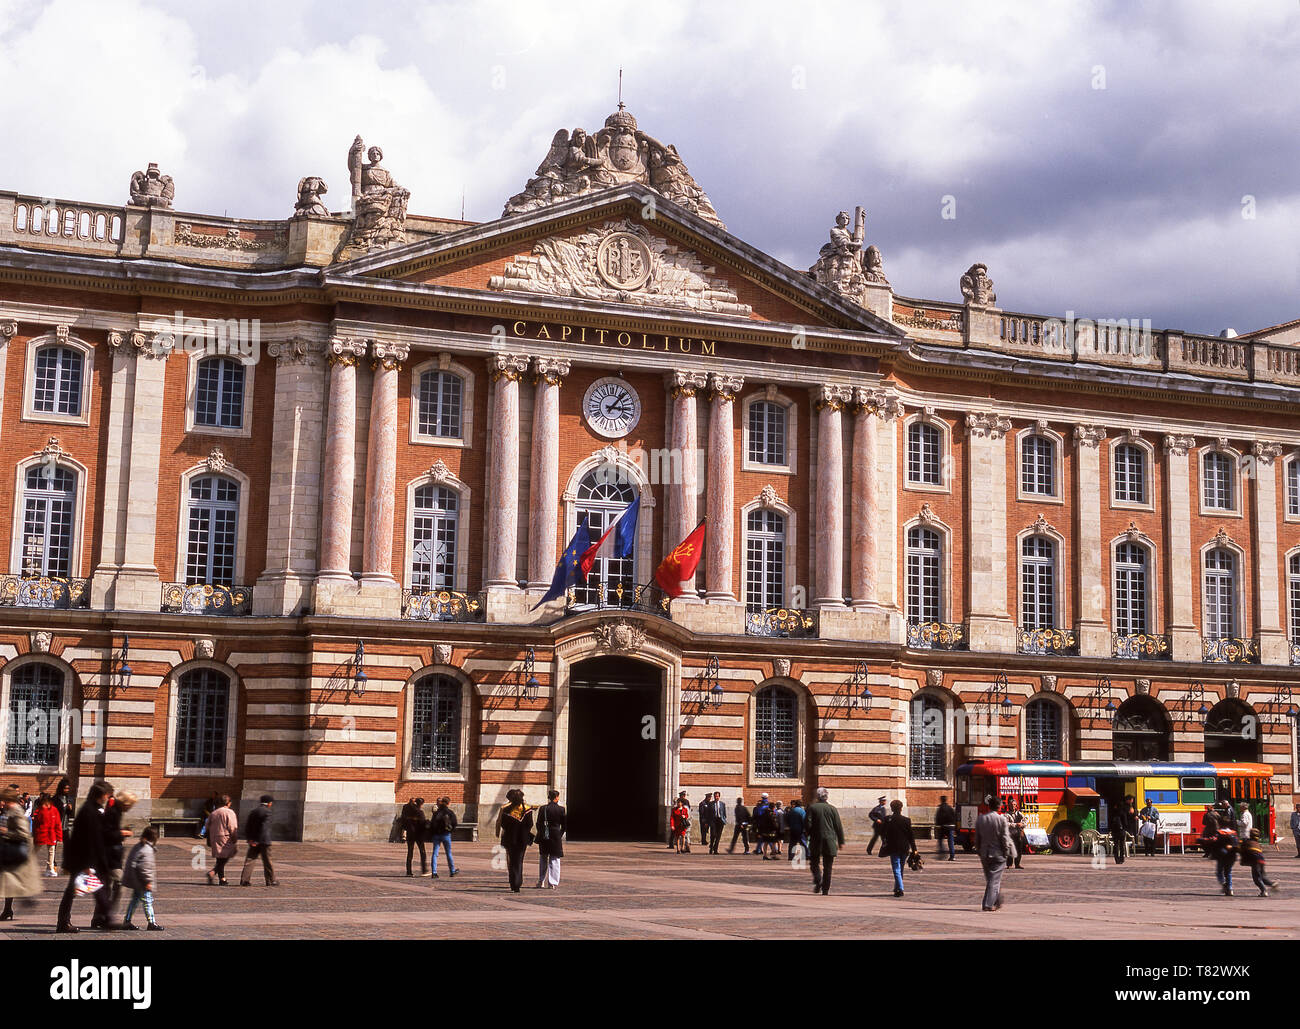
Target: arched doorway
point(1141, 731)
point(1232, 733)
point(616, 747)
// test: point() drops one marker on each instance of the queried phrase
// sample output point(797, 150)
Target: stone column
point(503, 473)
point(992, 628)
point(544, 487)
point(1094, 635)
point(829, 402)
point(381, 464)
point(1185, 635)
point(682, 495)
point(721, 487)
point(340, 462)
point(1273, 648)
point(870, 532)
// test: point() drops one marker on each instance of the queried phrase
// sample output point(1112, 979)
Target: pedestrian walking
point(796, 822)
point(140, 877)
point(758, 822)
point(995, 848)
point(878, 814)
point(1016, 823)
point(85, 851)
point(65, 801)
point(705, 814)
point(1295, 830)
point(782, 827)
point(899, 842)
point(945, 827)
point(257, 834)
point(1123, 825)
point(415, 825)
point(825, 838)
point(209, 806)
point(515, 830)
point(20, 870)
point(47, 830)
point(743, 816)
point(1219, 843)
point(441, 825)
point(680, 822)
point(1245, 821)
point(222, 833)
point(1252, 856)
point(769, 830)
point(115, 845)
point(718, 815)
point(551, 826)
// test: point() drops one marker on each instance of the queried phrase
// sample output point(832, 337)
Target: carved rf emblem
point(623, 261)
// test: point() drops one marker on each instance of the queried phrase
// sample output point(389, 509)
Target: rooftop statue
point(151, 188)
point(977, 287)
point(310, 190)
point(378, 203)
point(839, 262)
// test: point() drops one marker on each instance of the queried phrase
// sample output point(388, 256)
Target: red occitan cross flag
point(681, 563)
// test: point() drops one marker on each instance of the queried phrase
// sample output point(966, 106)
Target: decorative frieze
point(1089, 435)
point(1179, 446)
point(216, 460)
point(986, 425)
point(1266, 453)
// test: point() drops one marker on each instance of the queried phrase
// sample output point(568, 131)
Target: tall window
point(767, 433)
point(214, 514)
point(764, 560)
point(49, 502)
point(1043, 730)
point(1131, 589)
point(1293, 487)
point(435, 725)
point(1220, 593)
point(58, 381)
point(219, 393)
point(1217, 481)
point(775, 725)
point(924, 603)
point(926, 757)
point(202, 719)
point(1130, 474)
point(439, 404)
point(1293, 592)
point(436, 525)
point(35, 708)
point(924, 454)
point(602, 497)
point(1038, 466)
point(1038, 583)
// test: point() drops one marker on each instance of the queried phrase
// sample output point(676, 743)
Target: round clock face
point(611, 407)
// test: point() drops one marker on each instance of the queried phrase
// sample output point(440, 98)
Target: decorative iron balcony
point(1144, 645)
point(204, 598)
point(1230, 650)
point(937, 636)
point(43, 591)
point(619, 596)
point(443, 606)
point(784, 622)
point(1047, 641)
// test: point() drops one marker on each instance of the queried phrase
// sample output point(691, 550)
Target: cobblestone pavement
point(642, 891)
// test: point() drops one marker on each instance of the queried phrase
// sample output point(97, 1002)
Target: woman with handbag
point(550, 842)
point(20, 873)
point(515, 830)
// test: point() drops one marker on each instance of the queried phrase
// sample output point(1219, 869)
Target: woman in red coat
point(47, 831)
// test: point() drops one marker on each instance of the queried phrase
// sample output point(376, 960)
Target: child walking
point(139, 878)
point(1252, 856)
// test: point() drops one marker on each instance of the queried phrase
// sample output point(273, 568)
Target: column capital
point(832, 398)
point(881, 403)
point(1179, 445)
point(1266, 451)
point(388, 355)
point(551, 370)
point(1089, 435)
point(724, 387)
point(510, 367)
point(345, 351)
point(142, 344)
point(988, 424)
point(685, 384)
point(294, 351)
point(8, 330)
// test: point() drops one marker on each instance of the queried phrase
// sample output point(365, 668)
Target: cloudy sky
point(1113, 159)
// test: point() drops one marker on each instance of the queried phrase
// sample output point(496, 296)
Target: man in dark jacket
point(825, 838)
point(257, 832)
point(717, 821)
point(742, 826)
point(795, 818)
point(441, 826)
point(414, 825)
point(900, 842)
point(551, 824)
point(115, 849)
point(85, 850)
point(945, 824)
point(877, 816)
point(704, 811)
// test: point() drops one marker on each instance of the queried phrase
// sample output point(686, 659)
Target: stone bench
point(162, 825)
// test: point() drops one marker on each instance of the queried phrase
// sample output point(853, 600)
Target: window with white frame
point(1038, 583)
point(435, 725)
point(764, 561)
point(1130, 474)
point(1043, 730)
point(56, 387)
point(35, 712)
point(1038, 466)
point(924, 582)
point(776, 724)
point(927, 747)
point(924, 454)
point(1217, 487)
point(440, 400)
point(1293, 593)
point(49, 506)
point(435, 529)
point(219, 393)
point(602, 497)
point(1293, 487)
point(213, 527)
point(767, 433)
point(202, 719)
point(1220, 593)
point(1131, 589)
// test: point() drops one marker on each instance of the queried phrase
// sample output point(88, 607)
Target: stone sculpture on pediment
point(310, 190)
point(839, 262)
point(151, 188)
point(977, 287)
point(378, 204)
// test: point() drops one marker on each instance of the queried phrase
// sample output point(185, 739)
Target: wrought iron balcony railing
point(1229, 650)
point(1144, 645)
point(619, 596)
point(443, 606)
point(784, 622)
point(937, 636)
point(43, 591)
point(1047, 641)
point(204, 598)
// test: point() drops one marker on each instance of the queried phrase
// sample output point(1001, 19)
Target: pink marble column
point(830, 495)
point(545, 485)
point(340, 463)
point(721, 486)
point(862, 502)
point(682, 494)
point(503, 472)
point(381, 462)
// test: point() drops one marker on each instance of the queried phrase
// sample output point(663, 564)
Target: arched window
point(764, 560)
point(603, 495)
point(202, 719)
point(1141, 731)
point(435, 530)
point(1038, 583)
point(214, 517)
point(1217, 481)
point(1220, 593)
point(927, 752)
point(219, 393)
point(58, 381)
point(435, 725)
point(35, 715)
point(924, 563)
point(776, 723)
point(1038, 466)
point(1232, 732)
point(1293, 593)
point(49, 504)
point(1131, 589)
point(924, 454)
point(1130, 474)
point(767, 433)
point(1043, 730)
point(439, 399)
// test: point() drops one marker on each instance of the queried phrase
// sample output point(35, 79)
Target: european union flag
point(569, 571)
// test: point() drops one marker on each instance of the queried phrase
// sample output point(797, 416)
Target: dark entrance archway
point(614, 772)
point(1232, 733)
point(1141, 731)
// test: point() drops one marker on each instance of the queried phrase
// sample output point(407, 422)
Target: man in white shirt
point(1245, 822)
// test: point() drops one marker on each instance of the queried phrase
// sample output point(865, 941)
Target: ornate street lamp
point(359, 676)
point(124, 670)
point(530, 683)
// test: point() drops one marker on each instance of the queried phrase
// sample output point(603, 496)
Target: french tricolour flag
point(624, 533)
